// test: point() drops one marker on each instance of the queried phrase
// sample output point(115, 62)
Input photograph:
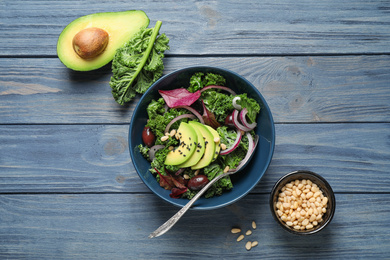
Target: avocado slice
point(209, 146)
point(120, 27)
point(200, 147)
point(188, 140)
point(217, 144)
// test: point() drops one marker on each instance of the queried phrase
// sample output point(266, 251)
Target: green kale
point(200, 80)
point(159, 118)
point(250, 104)
point(218, 103)
point(211, 171)
point(144, 150)
point(228, 136)
point(138, 64)
point(155, 108)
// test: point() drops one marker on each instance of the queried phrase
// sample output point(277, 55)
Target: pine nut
point(164, 138)
point(248, 233)
point(216, 140)
point(248, 245)
point(235, 230)
point(223, 146)
point(226, 169)
point(301, 204)
point(253, 225)
point(254, 243)
point(241, 237)
point(172, 133)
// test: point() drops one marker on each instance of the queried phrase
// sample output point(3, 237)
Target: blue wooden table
point(68, 189)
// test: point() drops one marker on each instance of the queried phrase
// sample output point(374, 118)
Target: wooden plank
point(214, 27)
point(95, 158)
point(116, 226)
point(297, 89)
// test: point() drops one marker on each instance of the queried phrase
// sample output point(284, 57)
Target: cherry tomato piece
point(197, 182)
point(148, 137)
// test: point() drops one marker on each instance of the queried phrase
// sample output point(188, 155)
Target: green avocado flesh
point(199, 151)
point(120, 26)
point(217, 144)
point(188, 138)
point(209, 147)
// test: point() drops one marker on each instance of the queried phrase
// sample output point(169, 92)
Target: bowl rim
point(331, 197)
point(272, 139)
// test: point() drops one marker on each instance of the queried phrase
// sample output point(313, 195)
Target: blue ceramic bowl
point(244, 181)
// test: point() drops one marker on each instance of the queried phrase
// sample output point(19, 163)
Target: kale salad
point(194, 134)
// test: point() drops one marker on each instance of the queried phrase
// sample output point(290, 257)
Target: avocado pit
point(90, 42)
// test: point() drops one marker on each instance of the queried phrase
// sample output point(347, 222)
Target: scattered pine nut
point(254, 243)
point(172, 133)
point(216, 139)
point(248, 245)
point(235, 230)
point(253, 224)
point(223, 146)
point(186, 176)
point(241, 237)
point(226, 169)
point(248, 233)
point(164, 138)
point(166, 133)
point(170, 148)
point(196, 172)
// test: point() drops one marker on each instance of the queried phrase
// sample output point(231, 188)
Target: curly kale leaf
point(200, 80)
point(138, 64)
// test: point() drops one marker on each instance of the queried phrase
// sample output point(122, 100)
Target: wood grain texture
point(116, 226)
point(95, 158)
point(304, 89)
point(213, 27)
point(68, 188)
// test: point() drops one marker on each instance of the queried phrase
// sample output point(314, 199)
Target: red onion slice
point(219, 87)
point(234, 146)
point(193, 111)
point(237, 123)
point(251, 148)
point(180, 171)
point(235, 105)
point(153, 150)
point(244, 121)
point(177, 119)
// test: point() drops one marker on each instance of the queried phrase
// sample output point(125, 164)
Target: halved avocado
point(209, 147)
point(188, 138)
point(120, 26)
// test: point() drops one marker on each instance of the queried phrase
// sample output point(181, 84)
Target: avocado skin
point(121, 27)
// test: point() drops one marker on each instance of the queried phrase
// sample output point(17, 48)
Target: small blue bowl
point(244, 181)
